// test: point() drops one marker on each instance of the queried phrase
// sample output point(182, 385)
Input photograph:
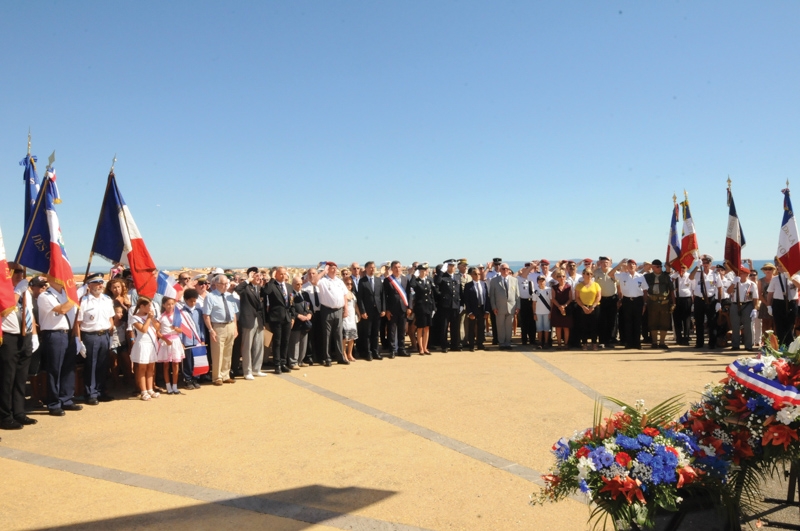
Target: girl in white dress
point(145, 345)
point(349, 330)
point(170, 348)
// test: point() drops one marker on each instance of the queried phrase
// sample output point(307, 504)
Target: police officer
point(462, 277)
point(95, 323)
point(660, 300)
point(56, 319)
point(449, 303)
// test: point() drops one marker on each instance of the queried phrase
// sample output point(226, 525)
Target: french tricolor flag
point(734, 239)
point(788, 244)
point(184, 321)
point(117, 239)
point(167, 286)
point(674, 246)
point(689, 247)
point(42, 247)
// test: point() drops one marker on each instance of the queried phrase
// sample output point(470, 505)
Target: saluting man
point(56, 319)
point(95, 323)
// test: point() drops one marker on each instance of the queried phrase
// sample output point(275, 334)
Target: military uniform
point(94, 318)
point(449, 304)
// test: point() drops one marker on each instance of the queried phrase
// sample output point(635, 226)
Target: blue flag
point(31, 185)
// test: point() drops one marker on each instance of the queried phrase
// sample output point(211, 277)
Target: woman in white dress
point(349, 329)
point(145, 347)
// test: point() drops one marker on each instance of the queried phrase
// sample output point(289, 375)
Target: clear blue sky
point(293, 132)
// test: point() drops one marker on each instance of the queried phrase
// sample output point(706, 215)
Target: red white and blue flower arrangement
point(637, 463)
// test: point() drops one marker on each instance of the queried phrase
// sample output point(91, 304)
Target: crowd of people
point(213, 331)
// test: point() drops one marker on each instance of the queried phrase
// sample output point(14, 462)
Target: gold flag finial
point(113, 162)
point(729, 182)
point(29, 141)
point(674, 198)
point(685, 194)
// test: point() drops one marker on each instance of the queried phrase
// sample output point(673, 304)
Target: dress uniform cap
point(497, 260)
point(744, 270)
point(217, 271)
point(423, 265)
point(93, 278)
point(463, 261)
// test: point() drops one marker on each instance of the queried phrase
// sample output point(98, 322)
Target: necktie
point(480, 293)
point(372, 284)
point(505, 285)
point(283, 291)
point(227, 311)
point(316, 297)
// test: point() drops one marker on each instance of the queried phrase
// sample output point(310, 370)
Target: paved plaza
point(449, 441)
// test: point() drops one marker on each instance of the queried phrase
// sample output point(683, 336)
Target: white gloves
point(80, 346)
point(769, 310)
point(22, 287)
point(717, 307)
point(754, 314)
point(35, 342)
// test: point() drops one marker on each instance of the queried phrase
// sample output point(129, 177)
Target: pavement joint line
point(521, 471)
point(572, 381)
point(258, 504)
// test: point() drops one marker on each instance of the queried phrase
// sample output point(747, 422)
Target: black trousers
point(632, 308)
point(705, 310)
point(682, 319)
point(586, 325)
point(15, 357)
point(315, 350)
point(607, 324)
point(493, 322)
point(280, 342)
point(331, 333)
point(784, 317)
point(476, 331)
point(526, 322)
point(59, 362)
point(398, 325)
point(371, 330)
point(449, 320)
point(95, 364)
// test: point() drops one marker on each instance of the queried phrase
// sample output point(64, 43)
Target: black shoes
point(72, 407)
point(377, 356)
point(327, 363)
point(26, 420)
point(277, 369)
point(444, 350)
point(92, 401)
point(391, 355)
point(10, 424)
point(404, 354)
point(343, 362)
point(57, 412)
point(106, 398)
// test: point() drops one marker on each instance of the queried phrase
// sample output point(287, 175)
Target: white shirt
point(332, 292)
point(547, 294)
point(524, 284)
point(684, 284)
point(776, 289)
point(308, 287)
point(746, 291)
point(95, 314)
point(631, 285)
point(727, 279)
point(712, 281)
point(48, 319)
point(11, 321)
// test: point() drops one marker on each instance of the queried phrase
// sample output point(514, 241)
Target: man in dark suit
point(279, 313)
point(395, 286)
point(371, 306)
point(476, 299)
point(251, 319)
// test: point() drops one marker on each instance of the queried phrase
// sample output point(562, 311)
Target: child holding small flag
point(170, 348)
point(145, 346)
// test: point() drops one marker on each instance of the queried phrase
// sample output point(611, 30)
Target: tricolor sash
point(399, 290)
point(781, 394)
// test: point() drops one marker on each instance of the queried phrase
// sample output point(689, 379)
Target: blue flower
point(752, 403)
point(627, 443)
point(644, 440)
point(645, 458)
point(601, 457)
point(584, 486)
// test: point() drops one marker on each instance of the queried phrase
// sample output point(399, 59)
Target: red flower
point(671, 450)
point(628, 487)
point(623, 459)
point(583, 451)
point(652, 432)
point(741, 446)
point(784, 371)
point(687, 475)
point(780, 434)
point(551, 480)
point(737, 403)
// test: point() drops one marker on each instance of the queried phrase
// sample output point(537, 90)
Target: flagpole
point(42, 191)
point(100, 215)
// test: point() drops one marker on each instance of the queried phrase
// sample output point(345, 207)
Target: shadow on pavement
point(302, 507)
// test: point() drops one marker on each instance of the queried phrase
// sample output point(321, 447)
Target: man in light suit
point(504, 294)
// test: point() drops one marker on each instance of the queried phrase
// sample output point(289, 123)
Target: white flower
point(678, 500)
point(769, 372)
point(788, 414)
point(767, 360)
point(610, 445)
point(585, 464)
point(795, 346)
